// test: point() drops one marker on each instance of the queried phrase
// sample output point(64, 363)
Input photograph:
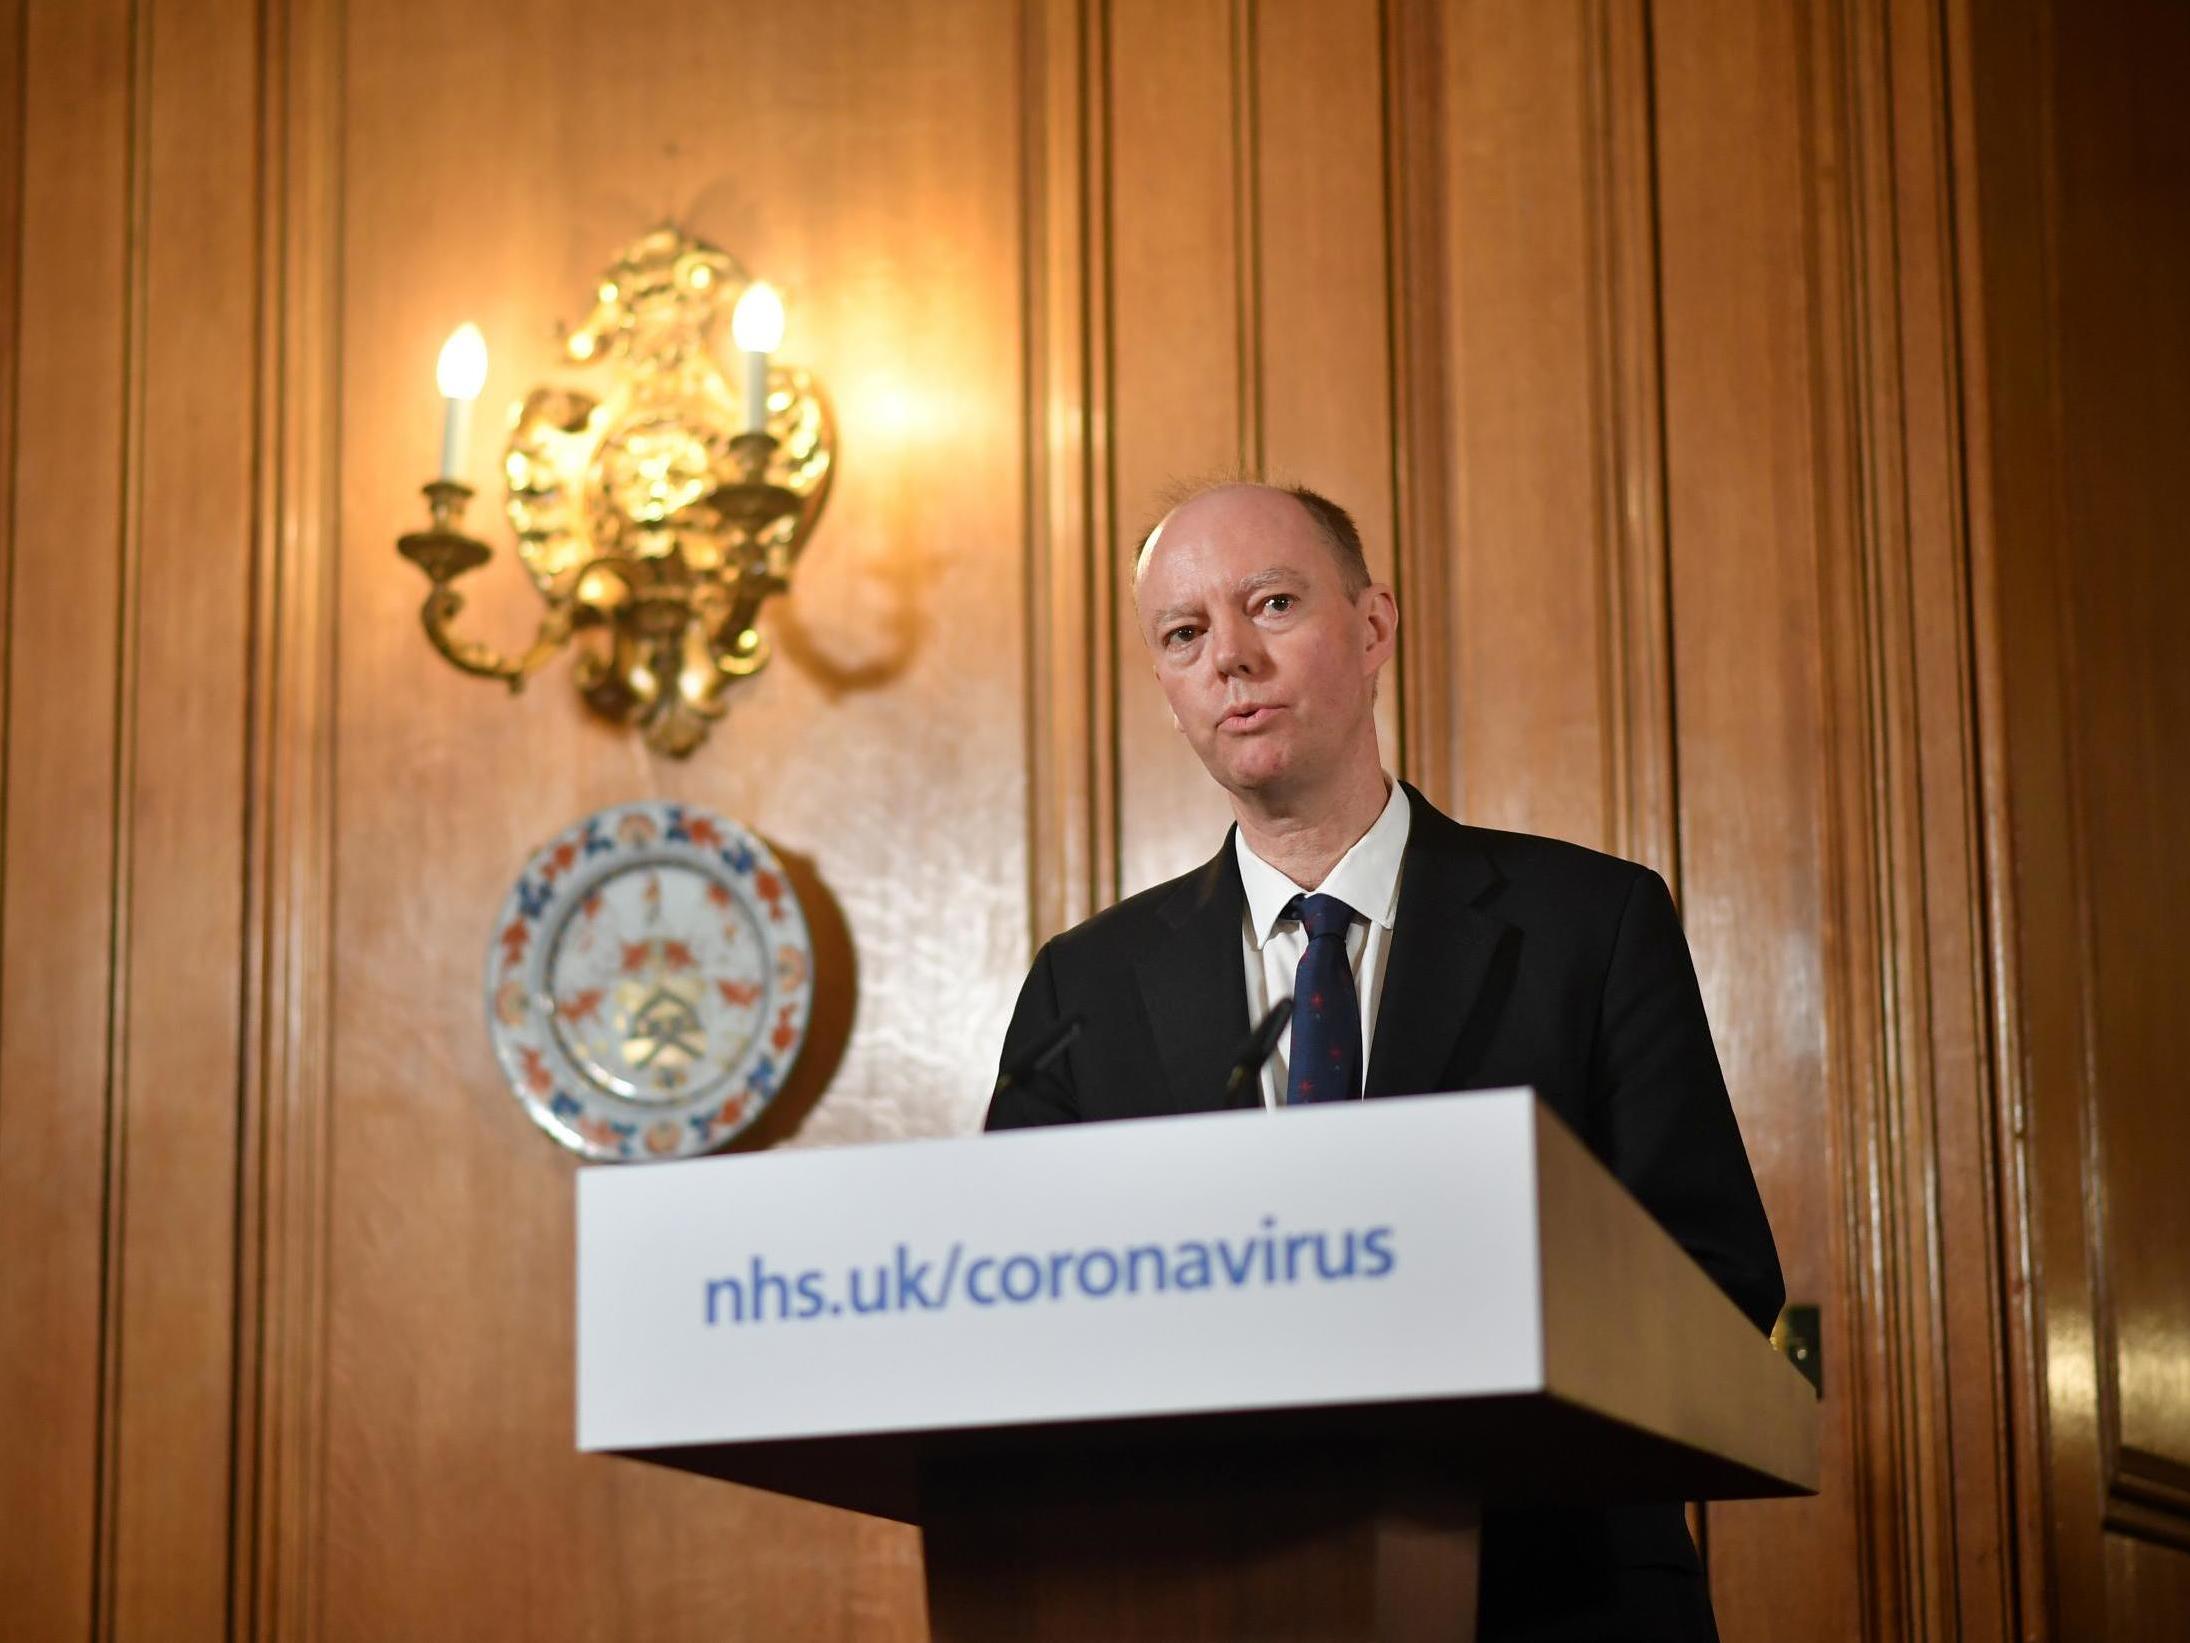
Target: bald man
point(1423, 956)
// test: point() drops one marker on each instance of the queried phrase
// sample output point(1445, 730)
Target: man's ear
point(1380, 614)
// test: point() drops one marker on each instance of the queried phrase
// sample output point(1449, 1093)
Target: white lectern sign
point(1328, 1255)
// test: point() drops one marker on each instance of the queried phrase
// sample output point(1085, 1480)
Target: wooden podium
point(1273, 1453)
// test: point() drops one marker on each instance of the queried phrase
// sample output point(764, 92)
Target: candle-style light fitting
point(757, 328)
point(657, 519)
point(461, 375)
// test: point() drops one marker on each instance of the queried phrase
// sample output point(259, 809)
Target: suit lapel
point(1442, 945)
point(1194, 985)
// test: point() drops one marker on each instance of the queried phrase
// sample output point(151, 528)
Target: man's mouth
point(1248, 716)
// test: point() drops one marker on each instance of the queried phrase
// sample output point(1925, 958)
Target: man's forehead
point(1233, 519)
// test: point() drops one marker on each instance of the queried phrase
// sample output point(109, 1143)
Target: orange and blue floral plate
point(649, 982)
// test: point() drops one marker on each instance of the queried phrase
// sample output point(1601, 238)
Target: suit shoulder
point(1557, 866)
point(1529, 860)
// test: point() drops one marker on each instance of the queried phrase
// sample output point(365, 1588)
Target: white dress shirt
point(1365, 879)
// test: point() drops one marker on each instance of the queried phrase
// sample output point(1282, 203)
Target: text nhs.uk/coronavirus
point(911, 1281)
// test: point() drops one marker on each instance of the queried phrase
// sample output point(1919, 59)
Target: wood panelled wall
point(2081, 390)
point(1732, 391)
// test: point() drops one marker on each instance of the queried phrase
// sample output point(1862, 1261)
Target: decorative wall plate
point(649, 982)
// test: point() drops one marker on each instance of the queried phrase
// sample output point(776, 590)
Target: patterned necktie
point(1326, 1061)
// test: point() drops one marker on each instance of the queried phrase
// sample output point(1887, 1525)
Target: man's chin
point(1264, 777)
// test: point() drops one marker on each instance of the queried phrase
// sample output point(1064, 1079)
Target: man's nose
point(1235, 647)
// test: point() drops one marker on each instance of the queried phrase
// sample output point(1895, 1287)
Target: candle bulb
point(757, 325)
point(461, 374)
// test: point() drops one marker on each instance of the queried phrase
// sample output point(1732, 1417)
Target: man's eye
point(1180, 635)
point(1278, 602)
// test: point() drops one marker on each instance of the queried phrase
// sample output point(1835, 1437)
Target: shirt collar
point(1365, 879)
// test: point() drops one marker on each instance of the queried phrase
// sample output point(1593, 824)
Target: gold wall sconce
point(657, 519)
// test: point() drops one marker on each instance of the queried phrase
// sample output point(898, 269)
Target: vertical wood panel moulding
point(14, 32)
point(1321, 375)
point(1951, 1185)
point(1175, 372)
point(1747, 529)
point(1246, 79)
point(2073, 1206)
point(2008, 417)
point(14, 116)
point(1869, 398)
point(287, 1132)
point(182, 806)
point(2036, 817)
point(1414, 195)
point(1072, 570)
point(1528, 434)
point(14, 42)
point(1641, 786)
point(56, 996)
point(136, 209)
point(1861, 791)
point(1641, 796)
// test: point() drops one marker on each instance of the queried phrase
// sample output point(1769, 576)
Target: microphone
point(1260, 1046)
point(1047, 1048)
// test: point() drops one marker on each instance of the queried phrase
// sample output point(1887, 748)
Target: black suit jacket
point(1514, 960)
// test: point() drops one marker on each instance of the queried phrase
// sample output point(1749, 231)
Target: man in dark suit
point(1422, 955)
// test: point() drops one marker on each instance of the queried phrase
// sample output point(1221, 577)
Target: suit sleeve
point(1040, 1098)
point(1661, 1102)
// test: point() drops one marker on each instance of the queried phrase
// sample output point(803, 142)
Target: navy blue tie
point(1325, 1064)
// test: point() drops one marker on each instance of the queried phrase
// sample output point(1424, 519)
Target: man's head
point(1267, 636)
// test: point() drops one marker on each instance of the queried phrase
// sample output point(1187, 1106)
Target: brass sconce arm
point(445, 553)
point(439, 614)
